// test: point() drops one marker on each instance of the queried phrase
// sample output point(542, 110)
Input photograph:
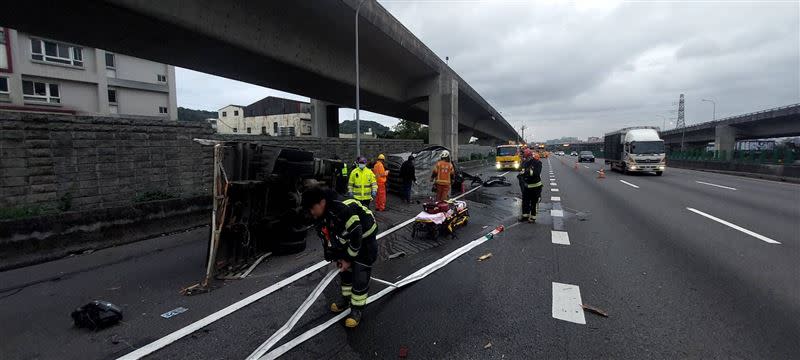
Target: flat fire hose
point(261, 351)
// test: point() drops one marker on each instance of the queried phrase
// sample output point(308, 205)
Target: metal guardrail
point(717, 122)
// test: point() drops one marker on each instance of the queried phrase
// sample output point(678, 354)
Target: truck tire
point(624, 169)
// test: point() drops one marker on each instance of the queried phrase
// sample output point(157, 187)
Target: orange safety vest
point(380, 172)
point(443, 170)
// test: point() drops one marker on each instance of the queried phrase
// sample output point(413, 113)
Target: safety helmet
point(381, 157)
point(445, 154)
point(527, 153)
point(361, 160)
point(536, 155)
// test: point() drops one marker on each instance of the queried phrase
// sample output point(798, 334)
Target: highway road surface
point(686, 265)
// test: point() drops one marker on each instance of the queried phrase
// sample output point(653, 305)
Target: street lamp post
point(358, 89)
point(664, 122)
point(714, 113)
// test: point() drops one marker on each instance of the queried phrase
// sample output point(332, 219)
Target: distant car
point(586, 156)
point(560, 153)
point(573, 153)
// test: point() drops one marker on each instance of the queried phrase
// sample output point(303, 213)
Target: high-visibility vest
point(380, 172)
point(362, 183)
point(344, 169)
point(443, 170)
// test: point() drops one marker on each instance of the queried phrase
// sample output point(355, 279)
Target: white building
point(39, 74)
point(269, 116)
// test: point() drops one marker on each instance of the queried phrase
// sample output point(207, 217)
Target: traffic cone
point(601, 174)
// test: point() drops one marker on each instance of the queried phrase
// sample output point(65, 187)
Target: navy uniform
point(530, 178)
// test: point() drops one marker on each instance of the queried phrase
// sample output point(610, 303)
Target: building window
point(112, 96)
point(275, 128)
point(235, 112)
point(51, 51)
point(224, 114)
point(4, 55)
point(110, 61)
point(235, 130)
point(161, 78)
point(248, 130)
point(3, 85)
point(40, 91)
point(162, 110)
point(263, 130)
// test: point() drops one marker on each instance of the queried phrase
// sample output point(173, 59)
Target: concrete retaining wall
point(774, 172)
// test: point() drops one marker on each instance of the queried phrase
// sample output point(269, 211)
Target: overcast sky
point(582, 68)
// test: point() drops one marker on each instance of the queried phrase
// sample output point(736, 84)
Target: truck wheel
point(624, 169)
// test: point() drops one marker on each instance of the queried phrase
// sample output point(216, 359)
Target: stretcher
point(437, 218)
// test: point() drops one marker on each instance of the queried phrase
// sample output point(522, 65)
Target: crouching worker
point(347, 229)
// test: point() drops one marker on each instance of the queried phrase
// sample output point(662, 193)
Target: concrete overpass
point(771, 123)
point(304, 47)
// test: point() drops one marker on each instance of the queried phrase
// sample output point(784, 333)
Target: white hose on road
point(416, 276)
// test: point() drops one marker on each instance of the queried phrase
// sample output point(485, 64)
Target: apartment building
point(269, 116)
point(39, 74)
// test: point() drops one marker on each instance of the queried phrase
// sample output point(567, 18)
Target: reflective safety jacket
point(442, 172)
point(362, 183)
point(344, 228)
point(531, 173)
point(344, 169)
point(381, 174)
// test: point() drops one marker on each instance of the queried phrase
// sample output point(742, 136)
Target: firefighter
point(442, 176)
point(531, 185)
point(347, 229)
point(362, 185)
point(381, 174)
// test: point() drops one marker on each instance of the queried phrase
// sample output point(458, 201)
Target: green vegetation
point(349, 127)
point(22, 212)
point(152, 196)
point(410, 130)
point(185, 114)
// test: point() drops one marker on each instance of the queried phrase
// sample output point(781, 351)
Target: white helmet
point(445, 154)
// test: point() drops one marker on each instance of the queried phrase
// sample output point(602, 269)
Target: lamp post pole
point(714, 111)
point(358, 89)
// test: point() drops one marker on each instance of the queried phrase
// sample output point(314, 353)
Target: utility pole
point(681, 123)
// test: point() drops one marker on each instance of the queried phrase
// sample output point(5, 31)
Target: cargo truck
point(635, 149)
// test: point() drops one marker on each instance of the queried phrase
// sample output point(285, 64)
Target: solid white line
point(719, 186)
point(557, 213)
point(199, 324)
point(567, 303)
point(416, 276)
point(629, 184)
point(585, 166)
point(555, 198)
point(554, 190)
point(737, 227)
point(553, 184)
point(559, 237)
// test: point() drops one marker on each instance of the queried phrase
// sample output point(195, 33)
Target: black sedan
point(586, 156)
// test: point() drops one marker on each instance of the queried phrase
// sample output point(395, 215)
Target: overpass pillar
point(443, 114)
point(725, 140)
point(324, 119)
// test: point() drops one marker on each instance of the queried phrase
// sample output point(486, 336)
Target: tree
point(410, 130)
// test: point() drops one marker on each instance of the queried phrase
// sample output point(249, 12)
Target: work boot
point(532, 219)
point(340, 305)
point(353, 319)
point(523, 217)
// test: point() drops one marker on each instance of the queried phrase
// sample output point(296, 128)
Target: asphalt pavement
point(686, 265)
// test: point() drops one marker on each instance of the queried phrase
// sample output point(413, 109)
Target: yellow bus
point(508, 157)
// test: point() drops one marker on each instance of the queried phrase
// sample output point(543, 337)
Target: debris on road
point(484, 257)
point(485, 226)
point(195, 289)
point(488, 345)
point(96, 315)
point(594, 310)
point(173, 312)
point(403, 352)
point(397, 255)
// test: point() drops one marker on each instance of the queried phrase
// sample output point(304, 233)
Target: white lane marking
point(553, 184)
point(416, 276)
point(737, 227)
point(719, 186)
point(558, 213)
point(559, 237)
point(585, 166)
point(629, 184)
point(567, 303)
point(554, 190)
point(555, 198)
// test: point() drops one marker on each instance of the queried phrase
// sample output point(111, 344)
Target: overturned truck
point(257, 189)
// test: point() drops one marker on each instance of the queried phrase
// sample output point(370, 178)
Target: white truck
point(635, 149)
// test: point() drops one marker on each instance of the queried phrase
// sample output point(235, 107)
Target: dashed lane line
point(553, 184)
point(629, 184)
point(567, 303)
point(559, 237)
point(555, 198)
point(719, 186)
point(557, 213)
point(554, 190)
point(732, 225)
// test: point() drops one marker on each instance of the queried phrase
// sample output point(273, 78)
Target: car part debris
point(97, 315)
point(484, 257)
point(488, 345)
point(594, 310)
point(173, 312)
point(397, 255)
point(496, 181)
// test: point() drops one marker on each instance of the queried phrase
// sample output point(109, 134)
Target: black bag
point(96, 315)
